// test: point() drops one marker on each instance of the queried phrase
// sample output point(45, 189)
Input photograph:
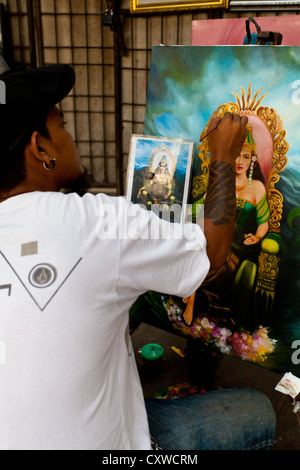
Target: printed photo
point(159, 173)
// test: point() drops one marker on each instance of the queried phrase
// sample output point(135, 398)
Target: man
point(71, 267)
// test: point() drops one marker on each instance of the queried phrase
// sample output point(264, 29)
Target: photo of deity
point(159, 173)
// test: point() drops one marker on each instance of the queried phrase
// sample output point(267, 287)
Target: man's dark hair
point(30, 95)
point(12, 162)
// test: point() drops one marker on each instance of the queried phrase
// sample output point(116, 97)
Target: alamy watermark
point(129, 221)
point(2, 92)
point(296, 93)
point(296, 354)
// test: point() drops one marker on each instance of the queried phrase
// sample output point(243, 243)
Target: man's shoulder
point(71, 204)
point(86, 199)
point(89, 205)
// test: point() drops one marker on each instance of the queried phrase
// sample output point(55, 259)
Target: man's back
point(68, 378)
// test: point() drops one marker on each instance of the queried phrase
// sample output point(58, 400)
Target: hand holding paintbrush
point(226, 136)
point(209, 132)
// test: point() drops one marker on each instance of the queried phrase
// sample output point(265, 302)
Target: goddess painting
point(241, 293)
point(259, 283)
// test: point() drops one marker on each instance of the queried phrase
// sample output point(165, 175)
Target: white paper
point(289, 385)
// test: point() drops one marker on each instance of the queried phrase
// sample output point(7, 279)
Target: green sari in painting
point(248, 217)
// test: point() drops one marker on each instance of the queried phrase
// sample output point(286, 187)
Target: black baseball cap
point(30, 95)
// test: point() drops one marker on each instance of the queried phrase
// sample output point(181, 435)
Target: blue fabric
point(228, 419)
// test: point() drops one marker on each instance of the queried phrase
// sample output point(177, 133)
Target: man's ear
point(37, 147)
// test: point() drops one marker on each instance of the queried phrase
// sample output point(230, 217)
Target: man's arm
point(225, 144)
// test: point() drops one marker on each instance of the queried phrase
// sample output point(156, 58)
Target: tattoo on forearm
point(220, 199)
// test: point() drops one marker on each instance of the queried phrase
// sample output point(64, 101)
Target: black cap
point(30, 95)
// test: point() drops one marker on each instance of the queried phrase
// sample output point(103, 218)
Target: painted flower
point(252, 347)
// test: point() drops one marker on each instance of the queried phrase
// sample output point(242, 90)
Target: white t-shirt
point(69, 272)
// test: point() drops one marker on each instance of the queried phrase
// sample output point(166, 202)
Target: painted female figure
point(252, 215)
point(251, 196)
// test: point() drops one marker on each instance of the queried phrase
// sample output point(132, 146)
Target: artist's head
point(247, 162)
point(36, 151)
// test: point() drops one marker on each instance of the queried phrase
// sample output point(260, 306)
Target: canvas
point(159, 175)
point(249, 308)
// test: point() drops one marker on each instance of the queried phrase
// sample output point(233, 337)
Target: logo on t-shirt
point(42, 275)
point(35, 280)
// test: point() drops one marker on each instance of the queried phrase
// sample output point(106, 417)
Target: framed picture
point(159, 174)
point(145, 6)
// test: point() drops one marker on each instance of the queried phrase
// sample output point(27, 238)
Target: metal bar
point(88, 85)
point(118, 111)
point(147, 49)
point(103, 94)
point(20, 31)
point(31, 33)
point(39, 36)
point(74, 96)
point(55, 31)
point(132, 75)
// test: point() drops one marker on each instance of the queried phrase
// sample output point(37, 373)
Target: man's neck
point(22, 189)
point(80, 187)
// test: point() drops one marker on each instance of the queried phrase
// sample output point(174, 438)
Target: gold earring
point(49, 168)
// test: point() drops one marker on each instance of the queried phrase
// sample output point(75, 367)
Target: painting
point(144, 6)
point(249, 308)
point(159, 174)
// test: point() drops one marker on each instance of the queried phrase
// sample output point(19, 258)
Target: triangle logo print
point(42, 281)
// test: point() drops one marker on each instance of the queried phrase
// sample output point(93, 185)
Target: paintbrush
point(209, 132)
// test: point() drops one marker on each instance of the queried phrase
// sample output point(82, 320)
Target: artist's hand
point(225, 142)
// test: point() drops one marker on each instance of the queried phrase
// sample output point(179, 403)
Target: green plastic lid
point(152, 351)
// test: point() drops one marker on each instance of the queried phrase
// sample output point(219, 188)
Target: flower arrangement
point(178, 391)
point(252, 347)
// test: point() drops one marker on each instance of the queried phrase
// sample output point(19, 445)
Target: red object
point(232, 31)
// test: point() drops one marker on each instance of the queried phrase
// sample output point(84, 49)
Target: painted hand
point(251, 239)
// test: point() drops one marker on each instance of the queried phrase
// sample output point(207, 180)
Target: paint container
point(152, 355)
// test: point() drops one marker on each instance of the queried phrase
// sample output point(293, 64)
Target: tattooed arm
point(225, 144)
